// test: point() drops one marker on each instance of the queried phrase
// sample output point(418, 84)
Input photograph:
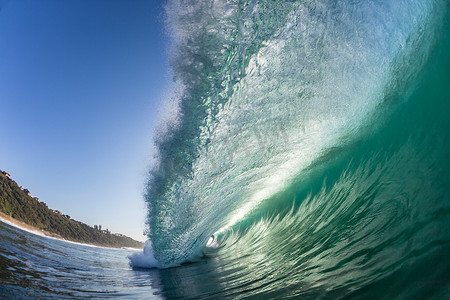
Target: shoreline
point(34, 230)
point(23, 226)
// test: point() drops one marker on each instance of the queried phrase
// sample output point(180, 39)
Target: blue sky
point(81, 85)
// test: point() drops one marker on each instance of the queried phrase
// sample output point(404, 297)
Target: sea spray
point(146, 259)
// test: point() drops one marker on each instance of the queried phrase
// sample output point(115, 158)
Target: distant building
point(21, 188)
point(6, 174)
point(27, 192)
point(37, 199)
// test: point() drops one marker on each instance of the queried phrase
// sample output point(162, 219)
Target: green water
point(369, 221)
point(310, 155)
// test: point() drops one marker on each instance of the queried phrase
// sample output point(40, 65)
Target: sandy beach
point(18, 224)
point(9, 220)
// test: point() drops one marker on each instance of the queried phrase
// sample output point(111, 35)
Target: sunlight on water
point(264, 95)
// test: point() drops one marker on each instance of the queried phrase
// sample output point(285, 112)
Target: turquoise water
point(308, 148)
point(304, 155)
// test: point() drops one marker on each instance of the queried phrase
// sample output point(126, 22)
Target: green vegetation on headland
point(17, 203)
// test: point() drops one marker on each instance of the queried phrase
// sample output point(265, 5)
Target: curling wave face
point(267, 91)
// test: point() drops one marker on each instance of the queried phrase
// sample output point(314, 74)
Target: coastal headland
point(21, 209)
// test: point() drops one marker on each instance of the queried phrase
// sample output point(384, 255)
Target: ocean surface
point(304, 153)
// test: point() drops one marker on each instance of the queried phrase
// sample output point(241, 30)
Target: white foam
point(144, 259)
point(24, 229)
point(41, 234)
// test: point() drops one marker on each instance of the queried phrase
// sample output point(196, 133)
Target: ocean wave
point(267, 89)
